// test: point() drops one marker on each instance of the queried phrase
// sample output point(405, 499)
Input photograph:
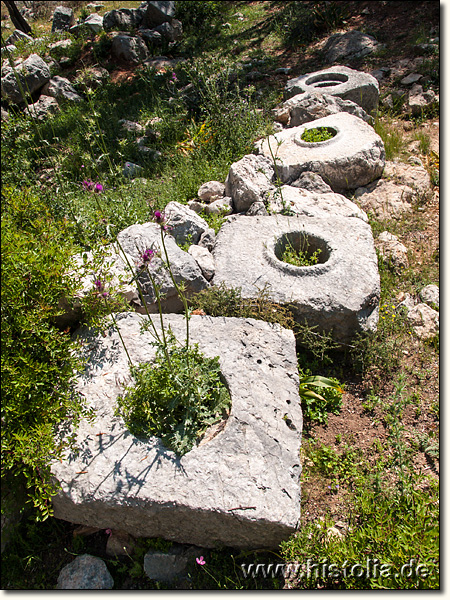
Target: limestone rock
point(16, 36)
point(222, 206)
point(129, 49)
point(205, 260)
point(170, 566)
point(92, 77)
point(353, 44)
point(348, 84)
point(385, 199)
point(339, 294)
point(354, 157)
point(257, 208)
point(211, 190)
point(172, 31)
point(94, 22)
point(208, 239)
point(45, 106)
point(241, 488)
point(120, 543)
point(86, 572)
point(197, 207)
point(123, 19)
point(249, 180)
point(312, 182)
point(63, 19)
point(151, 36)
point(33, 74)
point(418, 100)
point(310, 106)
point(424, 320)
point(131, 169)
point(138, 238)
point(392, 250)
point(185, 225)
point(159, 12)
point(430, 295)
point(414, 176)
point(60, 87)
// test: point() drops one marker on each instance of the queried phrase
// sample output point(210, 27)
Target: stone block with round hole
point(239, 487)
point(339, 294)
point(354, 154)
point(362, 88)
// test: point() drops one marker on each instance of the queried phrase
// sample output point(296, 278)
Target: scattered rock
point(92, 77)
point(249, 180)
point(208, 239)
point(353, 157)
point(405, 301)
point(158, 13)
point(185, 225)
point(311, 106)
point(205, 260)
point(60, 87)
point(392, 250)
point(312, 182)
point(385, 199)
point(211, 190)
point(123, 19)
point(5, 115)
point(415, 177)
point(411, 78)
point(94, 22)
point(151, 36)
point(33, 73)
point(197, 207)
point(131, 126)
point(216, 494)
point(257, 208)
point(418, 100)
point(86, 572)
point(351, 45)
point(45, 106)
point(424, 320)
point(129, 49)
point(16, 36)
point(120, 543)
point(131, 169)
point(430, 295)
point(222, 206)
point(172, 31)
point(170, 566)
point(63, 19)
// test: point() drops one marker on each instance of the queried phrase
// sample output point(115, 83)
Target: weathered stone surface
point(60, 87)
point(63, 19)
point(312, 182)
point(424, 320)
point(170, 566)
point(86, 572)
point(120, 543)
point(414, 176)
point(341, 293)
point(94, 22)
point(135, 240)
point(418, 100)
point(123, 19)
point(353, 44)
point(348, 84)
point(93, 77)
point(131, 126)
point(210, 191)
point(151, 36)
point(131, 169)
point(205, 260)
point(310, 106)
point(197, 207)
point(222, 206)
point(16, 36)
point(257, 208)
point(354, 157)
point(129, 49)
point(305, 202)
point(392, 250)
point(159, 12)
point(45, 106)
point(33, 73)
point(204, 497)
point(249, 180)
point(172, 31)
point(430, 295)
point(384, 199)
point(208, 239)
point(185, 224)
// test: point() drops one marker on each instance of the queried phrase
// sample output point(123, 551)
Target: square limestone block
point(240, 488)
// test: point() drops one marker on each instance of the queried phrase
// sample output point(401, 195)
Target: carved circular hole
point(327, 80)
point(315, 135)
point(301, 249)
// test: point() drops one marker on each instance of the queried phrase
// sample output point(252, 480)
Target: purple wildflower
point(99, 284)
point(174, 77)
point(88, 185)
point(201, 560)
point(98, 188)
point(160, 218)
point(147, 255)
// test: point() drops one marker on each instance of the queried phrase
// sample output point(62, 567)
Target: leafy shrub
point(178, 401)
point(37, 360)
point(195, 16)
point(320, 396)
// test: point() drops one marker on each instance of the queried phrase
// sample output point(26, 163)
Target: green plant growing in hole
point(301, 257)
point(318, 134)
point(179, 395)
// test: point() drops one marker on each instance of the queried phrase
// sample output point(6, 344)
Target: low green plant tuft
point(318, 134)
point(300, 257)
point(175, 401)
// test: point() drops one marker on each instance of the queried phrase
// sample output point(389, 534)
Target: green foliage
point(316, 406)
point(303, 22)
point(318, 134)
point(391, 135)
point(176, 402)
point(342, 467)
point(228, 302)
point(195, 16)
point(37, 360)
point(300, 257)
